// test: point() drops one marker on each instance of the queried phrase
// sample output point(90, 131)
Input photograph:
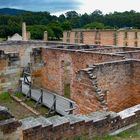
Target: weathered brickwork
point(9, 72)
point(53, 71)
point(71, 127)
point(8, 125)
point(113, 81)
point(122, 37)
point(118, 86)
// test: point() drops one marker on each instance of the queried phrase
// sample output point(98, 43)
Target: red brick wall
point(136, 81)
point(119, 81)
point(53, 70)
point(107, 37)
point(89, 38)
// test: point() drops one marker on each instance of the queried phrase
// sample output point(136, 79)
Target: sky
point(81, 6)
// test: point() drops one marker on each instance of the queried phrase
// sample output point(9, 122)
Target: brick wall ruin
point(101, 80)
point(93, 125)
point(52, 74)
point(121, 38)
point(8, 125)
point(9, 71)
point(115, 78)
point(108, 85)
point(70, 127)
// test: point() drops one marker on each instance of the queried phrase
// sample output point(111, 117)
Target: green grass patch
point(20, 95)
point(41, 109)
point(4, 97)
point(14, 107)
point(132, 134)
point(67, 90)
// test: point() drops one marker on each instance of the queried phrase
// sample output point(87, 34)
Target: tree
point(66, 25)
point(71, 14)
point(95, 25)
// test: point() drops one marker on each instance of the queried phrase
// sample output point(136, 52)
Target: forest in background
point(38, 22)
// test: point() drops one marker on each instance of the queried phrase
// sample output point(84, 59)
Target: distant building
point(121, 37)
point(15, 37)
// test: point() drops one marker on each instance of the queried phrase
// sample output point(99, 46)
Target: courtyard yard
point(15, 108)
point(18, 110)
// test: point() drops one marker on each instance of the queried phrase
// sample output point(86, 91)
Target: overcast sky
point(81, 6)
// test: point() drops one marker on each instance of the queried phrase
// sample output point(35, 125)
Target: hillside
point(9, 11)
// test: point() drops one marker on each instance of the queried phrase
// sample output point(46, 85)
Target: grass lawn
point(15, 108)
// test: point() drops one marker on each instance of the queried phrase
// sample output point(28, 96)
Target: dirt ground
point(15, 108)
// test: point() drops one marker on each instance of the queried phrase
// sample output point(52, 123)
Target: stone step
point(100, 99)
point(58, 120)
point(29, 123)
point(97, 116)
point(103, 102)
point(90, 74)
point(74, 119)
point(95, 83)
point(94, 77)
point(105, 108)
point(100, 93)
point(95, 87)
point(44, 121)
point(98, 90)
point(85, 118)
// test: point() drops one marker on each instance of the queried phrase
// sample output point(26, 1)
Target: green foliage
point(44, 21)
point(66, 25)
point(4, 97)
point(95, 25)
point(37, 31)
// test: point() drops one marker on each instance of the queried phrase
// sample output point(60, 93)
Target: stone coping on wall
point(97, 65)
point(71, 126)
point(103, 30)
point(35, 42)
point(82, 51)
point(113, 47)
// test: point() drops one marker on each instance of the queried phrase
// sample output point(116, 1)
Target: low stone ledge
point(9, 126)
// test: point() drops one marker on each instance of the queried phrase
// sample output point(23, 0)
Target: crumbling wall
point(52, 71)
point(75, 126)
point(36, 67)
point(131, 54)
point(9, 72)
point(8, 125)
point(114, 50)
point(136, 81)
point(113, 85)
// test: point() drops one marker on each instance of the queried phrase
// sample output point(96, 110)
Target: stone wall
point(93, 125)
point(135, 81)
point(9, 72)
point(75, 126)
point(111, 85)
point(53, 70)
point(8, 125)
point(113, 50)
